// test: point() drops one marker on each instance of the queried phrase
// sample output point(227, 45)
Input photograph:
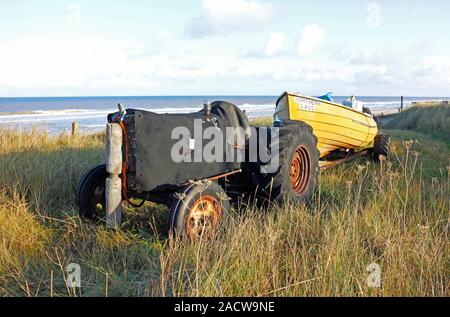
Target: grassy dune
point(433, 120)
point(394, 214)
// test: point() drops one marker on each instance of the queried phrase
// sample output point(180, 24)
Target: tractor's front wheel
point(198, 210)
point(90, 194)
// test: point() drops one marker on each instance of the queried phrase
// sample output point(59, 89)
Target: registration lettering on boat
point(306, 104)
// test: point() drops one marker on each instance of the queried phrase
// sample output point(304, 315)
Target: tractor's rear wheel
point(381, 147)
point(198, 210)
point(296, 175)
point(90, 194)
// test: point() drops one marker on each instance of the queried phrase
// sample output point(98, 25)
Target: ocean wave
point(70, 114)
point(30, 119)
point(51, 113)
point(382, 103)
point(256, 106)
point(386, 105)
point(63, 111)
point(94, 116)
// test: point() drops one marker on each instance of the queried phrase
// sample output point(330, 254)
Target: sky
point(224, 47)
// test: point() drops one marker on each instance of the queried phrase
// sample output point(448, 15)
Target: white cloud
point(274, 45)
point(311, 37)
point(64, 64)
point(85, 64)
point(64, 61)
point(411, 69)
point(222, 17)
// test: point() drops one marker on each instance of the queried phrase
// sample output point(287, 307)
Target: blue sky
point(180, 47)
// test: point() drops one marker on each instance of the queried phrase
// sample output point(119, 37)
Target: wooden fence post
point(114, 168)
point(74, 128)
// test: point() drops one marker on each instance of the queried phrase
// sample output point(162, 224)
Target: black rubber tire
point(277, 187)
point(381, 146)
point(181, 206)
point(90, 194)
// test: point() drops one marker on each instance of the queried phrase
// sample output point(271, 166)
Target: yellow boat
point(337, 127)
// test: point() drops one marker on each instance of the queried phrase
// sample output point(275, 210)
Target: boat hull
point(336, 127)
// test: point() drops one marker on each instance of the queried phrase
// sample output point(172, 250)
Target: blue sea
point(56, 114)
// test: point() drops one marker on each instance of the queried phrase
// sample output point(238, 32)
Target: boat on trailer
point(338, 128)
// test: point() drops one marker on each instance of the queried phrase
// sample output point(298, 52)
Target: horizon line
point(209, 95)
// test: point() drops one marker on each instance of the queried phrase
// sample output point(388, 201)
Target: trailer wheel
point(381, 147)
point(198, 210)
point(90, 194)
point(297, 174)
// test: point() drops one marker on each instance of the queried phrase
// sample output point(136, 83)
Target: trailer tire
point(198, 210)
point(297, 175)
point(381, 147)
point(90, 194)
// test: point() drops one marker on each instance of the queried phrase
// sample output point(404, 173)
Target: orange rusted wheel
point(204, 217)
point(300, 171)
point(199, 211)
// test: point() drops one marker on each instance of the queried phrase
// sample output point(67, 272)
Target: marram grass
point(433, 120)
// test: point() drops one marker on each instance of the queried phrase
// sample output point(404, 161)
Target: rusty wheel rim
point(203, 217)
point(300, 170)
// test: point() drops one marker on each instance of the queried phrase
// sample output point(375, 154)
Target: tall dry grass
point(394, 214)
point(389, 215)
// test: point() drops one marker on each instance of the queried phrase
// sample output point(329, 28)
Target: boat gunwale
point(322, 100)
